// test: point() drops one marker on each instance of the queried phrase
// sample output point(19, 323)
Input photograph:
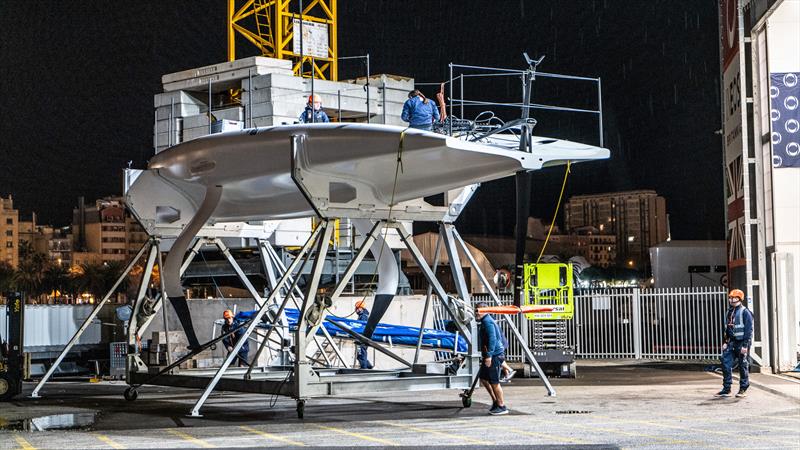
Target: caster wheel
point(301, 408)
point(213, 347)
point(466, 401)
point(131, 394)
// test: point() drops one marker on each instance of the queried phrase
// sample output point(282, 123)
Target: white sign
point(315, 38)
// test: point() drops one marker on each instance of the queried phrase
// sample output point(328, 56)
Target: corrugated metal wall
point(47, 325)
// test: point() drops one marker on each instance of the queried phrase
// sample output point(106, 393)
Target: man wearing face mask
point(736, 344)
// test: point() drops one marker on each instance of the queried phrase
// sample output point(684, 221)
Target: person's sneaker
point(510, 375)
point(498, 411)
point(494, 405)
point(741, 393)
point(723, 393)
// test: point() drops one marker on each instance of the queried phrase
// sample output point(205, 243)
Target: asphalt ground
point(607, 406)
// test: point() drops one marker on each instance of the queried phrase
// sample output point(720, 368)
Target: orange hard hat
point(227, 314)
point(314, 98)
point(360, 304)
point(736, 293)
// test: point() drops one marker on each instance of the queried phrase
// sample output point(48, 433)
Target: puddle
point(74, 421)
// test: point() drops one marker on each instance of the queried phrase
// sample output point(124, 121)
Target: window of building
point(9, 221)
point(9, 244)
point(9, 232)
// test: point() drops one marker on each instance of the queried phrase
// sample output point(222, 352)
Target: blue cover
point(400, 335)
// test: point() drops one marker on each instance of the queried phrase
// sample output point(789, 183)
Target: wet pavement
point(607, 406)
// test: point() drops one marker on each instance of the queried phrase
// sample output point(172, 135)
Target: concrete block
point(163, 126)
point(276, 109)
point(168, 98)
point(163, 140)
point(269, 121)
point(244, 63)
point(175, 337)
point(235, 113)
point(178, 110)
point(274, 80)
point(223, 79)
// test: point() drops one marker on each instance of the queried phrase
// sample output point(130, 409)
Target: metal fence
point(666, 324)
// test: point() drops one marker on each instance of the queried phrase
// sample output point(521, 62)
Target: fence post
point(637, 323)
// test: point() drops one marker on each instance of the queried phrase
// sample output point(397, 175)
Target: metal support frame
point(147, 245)
point(528, 354)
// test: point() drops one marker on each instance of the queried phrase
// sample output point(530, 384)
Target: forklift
point(551, 284)
point(14, 364)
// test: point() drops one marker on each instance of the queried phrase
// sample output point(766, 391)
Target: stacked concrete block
point(224, 73)
point(276, 97)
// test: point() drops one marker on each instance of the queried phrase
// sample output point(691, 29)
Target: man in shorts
point(493, 355)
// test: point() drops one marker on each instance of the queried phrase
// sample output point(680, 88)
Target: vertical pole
point(250, 96)
point(383, 100)
point(367, 86)
point(600, 108)
point(231, 34)
point(461, 100)
point(636, 316)
point(450, 126)
point(339, 105)
point(313, 114)
point(171, 120)
point(209, 104)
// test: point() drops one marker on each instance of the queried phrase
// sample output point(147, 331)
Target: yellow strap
point(555, 214)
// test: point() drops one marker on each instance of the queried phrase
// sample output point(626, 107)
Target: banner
point(784, 98)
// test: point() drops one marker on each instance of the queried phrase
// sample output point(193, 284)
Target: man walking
point(736, 344)
point(494, 354)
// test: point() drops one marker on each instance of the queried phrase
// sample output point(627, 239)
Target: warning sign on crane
point(315, 38)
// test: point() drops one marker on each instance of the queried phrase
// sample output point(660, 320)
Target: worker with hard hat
point(229, 342)
point(736, 344)
point(363, 314)
point(313, 112)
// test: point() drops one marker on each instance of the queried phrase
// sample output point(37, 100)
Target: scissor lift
point(550, 284)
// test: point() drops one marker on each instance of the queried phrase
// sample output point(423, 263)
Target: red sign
point(729, 31)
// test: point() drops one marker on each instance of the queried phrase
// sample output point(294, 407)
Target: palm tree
point(30, 271)
point(8, 277)
point(55, 278)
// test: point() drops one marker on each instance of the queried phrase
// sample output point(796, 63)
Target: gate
point(631, 323)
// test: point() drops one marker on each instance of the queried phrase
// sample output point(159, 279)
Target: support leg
point(88, 321)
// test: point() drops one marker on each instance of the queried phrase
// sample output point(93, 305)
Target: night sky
point(77, 80)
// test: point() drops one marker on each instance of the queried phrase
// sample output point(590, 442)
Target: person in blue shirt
point(493, 355)
point(419, 112)
point(738, 334)
point(313, 112)
point(230, 341)
point(363, 314)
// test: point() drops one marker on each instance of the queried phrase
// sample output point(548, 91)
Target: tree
point(8, 277)
point(30, 271)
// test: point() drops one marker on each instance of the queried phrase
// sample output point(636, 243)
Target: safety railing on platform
point(662, 324)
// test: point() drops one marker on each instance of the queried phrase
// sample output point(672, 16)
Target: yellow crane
point(303, 31)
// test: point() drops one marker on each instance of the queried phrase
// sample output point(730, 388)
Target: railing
point(664, 324)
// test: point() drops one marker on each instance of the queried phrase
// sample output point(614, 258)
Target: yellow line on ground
point(108, 441)
point(707, 419)
point(25, 445)
point(357, 435)
point(682, 428)
point(272, 436)
point(641, 435)
point(192, 439)
point(435, 432)
point(552, 437)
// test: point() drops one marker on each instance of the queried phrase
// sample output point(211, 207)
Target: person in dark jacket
point(230, 341)
point(313, 112)
point(419, 112)
point(738, 334)
point(494, 354)
point(363, 314)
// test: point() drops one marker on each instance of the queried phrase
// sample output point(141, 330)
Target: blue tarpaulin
point(399, 334)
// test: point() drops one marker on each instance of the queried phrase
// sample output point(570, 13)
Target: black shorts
point(492, 374)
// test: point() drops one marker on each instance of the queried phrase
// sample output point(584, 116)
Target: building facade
point(105, 232)
point(9, 230)
point(637, 220)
